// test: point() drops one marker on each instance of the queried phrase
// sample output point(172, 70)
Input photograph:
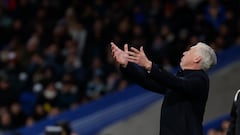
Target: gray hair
point(209, 58)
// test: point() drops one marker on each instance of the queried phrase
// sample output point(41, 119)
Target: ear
point(197, 59)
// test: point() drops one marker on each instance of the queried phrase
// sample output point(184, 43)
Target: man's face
point(189, 57)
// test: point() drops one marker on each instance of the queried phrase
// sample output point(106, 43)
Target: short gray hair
point(209, 58)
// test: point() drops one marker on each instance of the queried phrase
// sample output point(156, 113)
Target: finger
point(114, 54)
point(112, 50)
point(132, 58)
point(126, 48)
point(113, 47)
point(134, 50)
point(113, 44)
point(132, 53)
point(115, 57)
point(133, 61)
point(141, 49)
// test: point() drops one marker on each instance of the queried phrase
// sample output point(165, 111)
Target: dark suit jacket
point(234, 128)
point(185, 97)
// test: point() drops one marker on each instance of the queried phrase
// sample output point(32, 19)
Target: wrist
point(124, 65)
point(148, 65)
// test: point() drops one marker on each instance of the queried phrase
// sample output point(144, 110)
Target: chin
point(181, 65)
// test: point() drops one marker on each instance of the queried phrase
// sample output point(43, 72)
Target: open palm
point(139, 57)
point(119, 55)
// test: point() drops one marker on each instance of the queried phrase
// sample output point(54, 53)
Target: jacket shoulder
point(236, 97)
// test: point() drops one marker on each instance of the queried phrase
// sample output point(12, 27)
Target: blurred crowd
point(55, 54)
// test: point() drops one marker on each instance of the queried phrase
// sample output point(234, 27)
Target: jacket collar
point(187, 71)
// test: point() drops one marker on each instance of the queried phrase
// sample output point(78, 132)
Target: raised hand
point(119, 55)
point(139, 57)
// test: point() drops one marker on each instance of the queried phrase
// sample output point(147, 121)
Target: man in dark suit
point(234, 127)
point(185, 94)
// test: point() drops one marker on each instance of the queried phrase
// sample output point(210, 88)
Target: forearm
point(141, 77)
point(192, 85)
point(164, 77)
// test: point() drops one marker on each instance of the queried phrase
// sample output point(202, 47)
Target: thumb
point(126, 48)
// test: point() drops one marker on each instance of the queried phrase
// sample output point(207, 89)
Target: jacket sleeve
point(141, 77)
point(232, 127)
point(191, 86)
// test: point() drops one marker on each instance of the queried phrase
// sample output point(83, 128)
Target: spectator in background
point(30, 121)
point(48, 97)
point(17, 115)
point(95, 88)
point(7, 94)
point(215, 13)
point(111, 82)
point(39, 112)
point(6, 121)
point(68, 96)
